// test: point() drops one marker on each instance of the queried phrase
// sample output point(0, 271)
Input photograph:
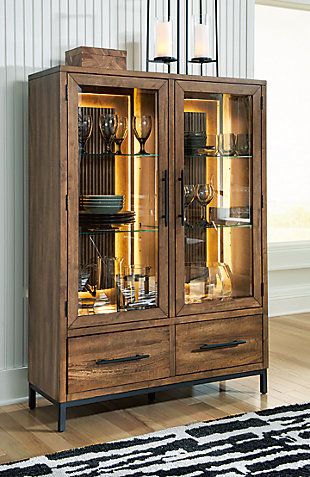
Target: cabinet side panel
point(47, 234)
point(264, 231)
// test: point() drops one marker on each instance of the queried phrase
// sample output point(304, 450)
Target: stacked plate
point(101, 204)
point(193, 142)
point(194, 132)
point(103, 221)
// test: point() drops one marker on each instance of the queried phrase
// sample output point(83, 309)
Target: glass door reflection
point(217, 198)
point(118, 201)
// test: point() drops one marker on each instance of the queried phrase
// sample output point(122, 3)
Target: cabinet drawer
point(217, 344)
point(113, 359)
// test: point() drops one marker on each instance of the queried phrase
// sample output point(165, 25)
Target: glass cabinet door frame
point(75, 82)
point(196, 90)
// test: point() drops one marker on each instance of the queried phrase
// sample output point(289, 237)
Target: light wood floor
point(24, 434)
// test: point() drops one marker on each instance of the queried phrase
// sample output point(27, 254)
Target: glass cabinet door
point(118, 179)
point(218, 197)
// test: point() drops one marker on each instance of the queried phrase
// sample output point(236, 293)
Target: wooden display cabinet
point(146, 269)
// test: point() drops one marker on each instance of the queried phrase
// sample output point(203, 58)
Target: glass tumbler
point(134, 287)
point(211, 148)
point(210, 281)
point(227, 144)
point(243, 145)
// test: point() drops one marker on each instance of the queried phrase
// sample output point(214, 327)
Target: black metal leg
point(32, 401)
point(151, 398)
point(263, 382)
point(61, 417)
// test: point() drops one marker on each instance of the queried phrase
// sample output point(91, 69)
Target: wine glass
point(85, 127)
point(142, 127)
point(121, 132)
point(189, 194)
point(108, 126)
point(204, 195)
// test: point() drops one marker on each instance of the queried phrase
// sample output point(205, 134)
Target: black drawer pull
point(229, 344)
point(137, 357)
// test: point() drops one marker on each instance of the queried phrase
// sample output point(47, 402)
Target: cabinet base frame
point(62, 406)
point(263, 382)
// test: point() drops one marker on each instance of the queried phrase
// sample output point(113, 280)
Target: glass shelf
point(219, 156)
point(194, 227)
point(90, 154)
point(130, 228)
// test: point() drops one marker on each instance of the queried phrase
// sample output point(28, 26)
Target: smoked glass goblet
point(108, 126)
point(189, 197)
point(85, 127)
point(189, 194)
point(121, 132)
point(204, 195)
point(142, 127)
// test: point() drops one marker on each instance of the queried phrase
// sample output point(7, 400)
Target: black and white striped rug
point(269, 443)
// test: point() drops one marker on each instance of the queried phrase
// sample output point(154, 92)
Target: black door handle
point(166, 198)
point(181, 180)
point(136, 357)
point(208, 347)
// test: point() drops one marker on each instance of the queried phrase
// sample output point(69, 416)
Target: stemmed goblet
point(189, 195)
point(108, 125)
point(204, 194)
point(142, 127)
point(121, 132)
point(85, 127)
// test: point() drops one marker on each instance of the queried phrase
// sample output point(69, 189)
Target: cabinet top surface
point(142, 74)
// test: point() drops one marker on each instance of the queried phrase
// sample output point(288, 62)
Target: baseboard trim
point(284, 259)
point(14, 386)
point(288, 256)
point(289, 300)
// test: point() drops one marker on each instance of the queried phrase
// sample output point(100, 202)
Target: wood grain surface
point(143, 74)
point(87, 56)
point(190, 337)
point(84, 352)
point(48, 234)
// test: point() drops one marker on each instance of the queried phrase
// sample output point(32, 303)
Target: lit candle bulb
point(163, 45)
point(201, 41)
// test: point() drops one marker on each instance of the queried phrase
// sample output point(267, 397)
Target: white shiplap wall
point(34, 34)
